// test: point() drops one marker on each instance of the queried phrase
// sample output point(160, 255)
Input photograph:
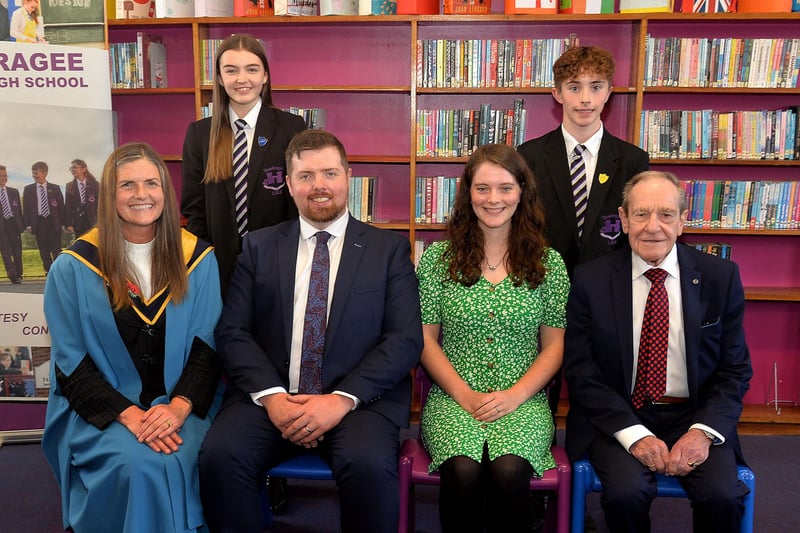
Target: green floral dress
point(490, 335)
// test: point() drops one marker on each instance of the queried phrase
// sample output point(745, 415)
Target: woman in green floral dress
point(496, 293)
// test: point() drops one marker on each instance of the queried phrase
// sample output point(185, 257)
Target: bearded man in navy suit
point(689, 429)
point(372, 341)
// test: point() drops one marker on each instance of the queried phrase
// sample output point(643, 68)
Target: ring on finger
point(691, 464)
point(497, 409)
point(169, 423)
point(309, 429)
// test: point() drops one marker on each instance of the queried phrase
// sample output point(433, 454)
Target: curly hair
point(526, 239)
point(583, 60)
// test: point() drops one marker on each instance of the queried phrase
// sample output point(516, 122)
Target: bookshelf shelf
point(727, 162)
point(366, 82)
point(772, 294)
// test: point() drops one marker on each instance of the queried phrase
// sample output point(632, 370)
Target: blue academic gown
point(108, 480)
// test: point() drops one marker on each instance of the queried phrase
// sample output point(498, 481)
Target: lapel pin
point(262, 141)
point(695, 281)
point(603, 178)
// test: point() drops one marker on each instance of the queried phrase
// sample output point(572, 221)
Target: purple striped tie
point(577, 171)
point(316, 319)
point(240, 176)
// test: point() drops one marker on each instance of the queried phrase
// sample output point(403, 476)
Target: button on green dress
point(490, 335)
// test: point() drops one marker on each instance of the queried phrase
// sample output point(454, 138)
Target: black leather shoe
point(276, 488)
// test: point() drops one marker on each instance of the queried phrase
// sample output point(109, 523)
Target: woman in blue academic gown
point(131, 308)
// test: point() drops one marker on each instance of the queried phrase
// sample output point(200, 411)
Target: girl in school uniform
point(242, 91)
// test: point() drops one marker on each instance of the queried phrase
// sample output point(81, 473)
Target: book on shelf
point(458, 132)
point(743, 204)
point(377, 7)
point(253, 8)
point(135, 9)
point(720, 249)
point(174, 8)
point(767, 134)
point(303, 8)
point(489, 62)
point(157, 58)
point(361, 198)
point(213, 8)
point(338, 7)
point(316, 118)
point(434, 198)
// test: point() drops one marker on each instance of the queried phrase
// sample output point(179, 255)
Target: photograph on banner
point(72, 22)
point(57, 105)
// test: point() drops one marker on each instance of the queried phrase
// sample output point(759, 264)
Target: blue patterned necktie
point(577, 171)
point(240, 176)
point(316, 319)
point(651, 368)
point(44, 210)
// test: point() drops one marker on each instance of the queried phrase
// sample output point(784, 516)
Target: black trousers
point(713, 488)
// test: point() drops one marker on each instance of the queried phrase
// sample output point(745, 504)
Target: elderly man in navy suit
point(11, 225)
point(313, 365)
point(657, 365)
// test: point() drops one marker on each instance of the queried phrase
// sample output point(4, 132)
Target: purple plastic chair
point(413, 470)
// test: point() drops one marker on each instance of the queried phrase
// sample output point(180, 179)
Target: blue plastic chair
point(303, 466)
point(585, 480)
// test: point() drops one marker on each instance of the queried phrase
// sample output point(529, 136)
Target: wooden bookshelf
point(362, 71)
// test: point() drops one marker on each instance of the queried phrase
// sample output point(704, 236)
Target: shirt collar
point(592, 144)
point(670, 264)
point(251, 117)
point(335, 228)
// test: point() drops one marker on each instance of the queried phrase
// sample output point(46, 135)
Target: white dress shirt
point(305, 256)
point(677, 379)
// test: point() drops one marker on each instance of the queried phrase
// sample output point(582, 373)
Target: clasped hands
point(690, 451)
point(305, 418)
point(489, 406)
point(158, 426)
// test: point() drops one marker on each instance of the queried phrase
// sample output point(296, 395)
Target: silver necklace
point(492, 267)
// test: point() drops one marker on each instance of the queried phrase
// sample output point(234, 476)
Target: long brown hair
point(526, 239)
point(168, 266)
point(219, 167)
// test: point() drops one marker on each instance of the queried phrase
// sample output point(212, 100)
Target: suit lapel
point(353, 248)
point(622, 294)
point(558, 172)
point(607, 163)
point(289, 238)
point(691, 283)
point(265, 129)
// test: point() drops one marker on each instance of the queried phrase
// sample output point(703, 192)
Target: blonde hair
point(168, 266)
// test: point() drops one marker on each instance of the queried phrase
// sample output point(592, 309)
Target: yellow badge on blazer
point(603, 178)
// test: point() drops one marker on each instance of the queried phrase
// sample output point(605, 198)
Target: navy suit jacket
point(374, 332)
point(618, 161)
point(208, 207)
point(30, 206)
point(16, 208)
point(598, 351)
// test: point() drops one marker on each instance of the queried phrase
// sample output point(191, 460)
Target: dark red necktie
point(316, 319)
point(651, 369)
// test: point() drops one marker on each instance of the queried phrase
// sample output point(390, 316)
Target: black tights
point(487, 496)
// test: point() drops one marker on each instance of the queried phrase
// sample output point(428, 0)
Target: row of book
point(720, 249)
point(314, 117)
point(489, 62)
point(458, 132)
point(433, 198)
point(361, 199)
point(721, 62)
point(138, 65)
point(750, 204)
point(711, 134)
point(127, 9)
